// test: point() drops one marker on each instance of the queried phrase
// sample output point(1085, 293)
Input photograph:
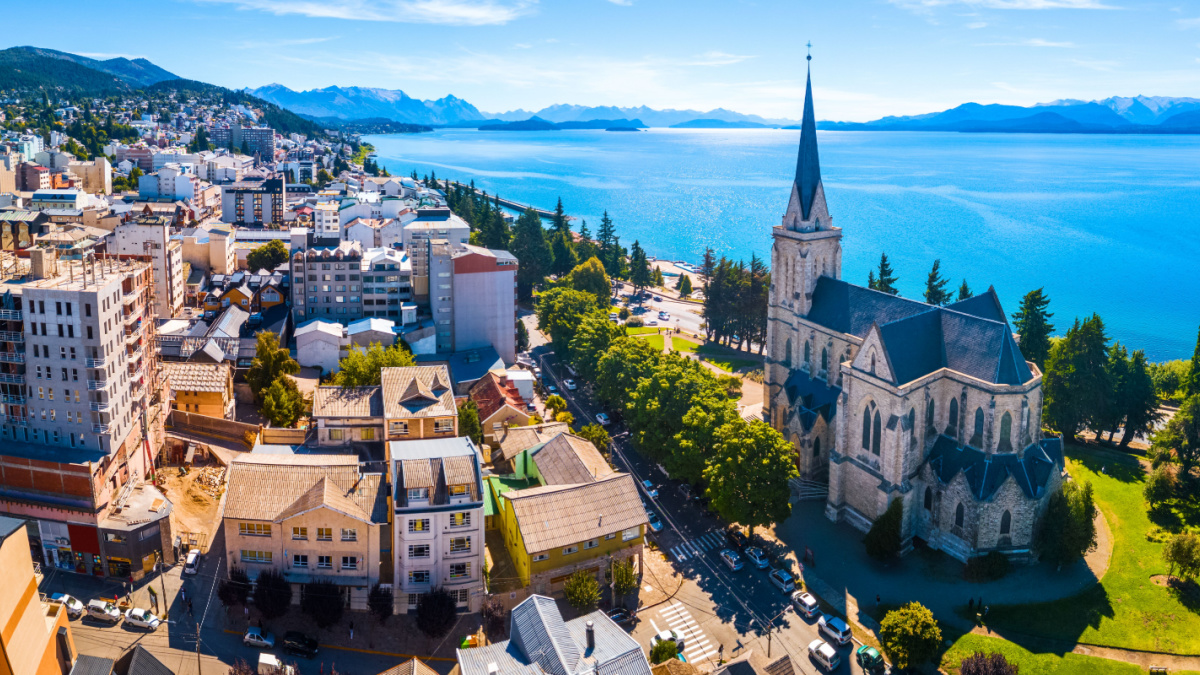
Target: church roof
point(808, 166)
point(985, 473)
point(811, 398)
point(846, 308)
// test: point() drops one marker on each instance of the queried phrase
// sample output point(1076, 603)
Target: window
point(952, 425)
point(539, 557)
point(1006, 523)
point(418, 525)
point(866, 429)
point(368, 434)
point(929, 415)
point(400, 428)
point(443, 426)
point(610, 535)
point(350, 534)
point(299, 533)
point(824, 360)
point(349, 562)
point(418, 576)
point(254, 529)
point(977, 436)
point(787, 353)
point(335, 434)
point(569, 550)
point(262, 557)
point(460, 571)
point(300, 560)
point(420, 494)
point(591, 543)
point(324, 534)
point(631, 533)
point(958, 516)
point(928, 499)
point(418, 550)
point(414, 599)
point(457, 490)
point(460, 519)
point(817, 447)
point(324, 562)
point(1005, 442)
point(460, 544)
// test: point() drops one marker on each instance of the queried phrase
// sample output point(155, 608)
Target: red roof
point(493, 392)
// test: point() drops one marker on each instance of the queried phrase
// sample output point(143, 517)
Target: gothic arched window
point(872, 364)
point(824, 360)
point(787, 353)
point(876, 428)
point(1005, 444)
point(807, 355)
point(1006, 523)
point(912, 428)
point(958, 516)
point(952, 426)
point(866, 430)
point(977, 435)
point(930, 414)
point(928, 499)
point(817, 446)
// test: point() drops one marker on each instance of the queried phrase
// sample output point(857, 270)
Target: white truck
point(269, 664)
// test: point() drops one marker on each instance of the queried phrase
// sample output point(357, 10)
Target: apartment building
point(171, 182)
point(327, 283)
point(431, 225)
point(252, 140)
point(325, 221)
point(411, 403)
point(254, 202)
point(151, 235)
point(204, 388)
point(37, 638)
point(210, 250)
point(473, 298)
point(59, 198)
point(438, 521)
point(311, 517)
point(83, 414)
point(95, 174)
point(386, 283)
point(31, 177)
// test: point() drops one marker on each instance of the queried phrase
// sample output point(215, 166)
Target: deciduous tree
point(749, 472)
point(236, 589)
point(282, 403)
point(657, 406)
point(381, 603)
point(1068, 529)
point(625, 578)
point(323, 601)
point(589, 276)
point(560, 311)
point(436, 612)
point(268, 256)
point(883, 539)
point(621, 367)
point(1182, 554)
point(987, 664)
point(695, 444)
point(910, 636)
point(363, 367)
point(597, 436)
point(270, 361)
point(581, 590)
point(595, 334)
point(272, 593)
point(1179, 439)
point(1160, 486)
point(468, 422)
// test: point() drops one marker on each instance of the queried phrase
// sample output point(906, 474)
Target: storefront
point(85, 542)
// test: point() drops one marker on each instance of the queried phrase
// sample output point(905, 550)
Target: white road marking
point(655, 626)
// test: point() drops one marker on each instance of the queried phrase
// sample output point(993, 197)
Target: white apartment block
point(151, 235)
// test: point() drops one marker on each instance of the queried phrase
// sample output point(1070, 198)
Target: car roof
point(835, 622)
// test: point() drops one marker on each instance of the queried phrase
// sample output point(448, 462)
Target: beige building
point(311, 517)
point(210, 250)
point(412, 403)
point(204, 388)
point(96, 175)
point(36, 639)
point(151, 236)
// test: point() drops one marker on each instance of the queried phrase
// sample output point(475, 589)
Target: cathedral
point(890, 398)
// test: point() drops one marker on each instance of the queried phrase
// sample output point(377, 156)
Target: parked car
point(651, 490)
point(256, 637)
point(783, 580)
point(671, 636)
point(824, 655)
point(570, 385)
point(664, 316)
point(685, 491)
point(191, 564)
point(757, 557)
point(736, 538)
point(651, 322)
point(73, 606)
point(552, 389)
point(142, 618)
point(655, 522)
point(602, 419)
point(658, 298)
point(835, 628)
point(103, 610)
point(622, 616)
point(731, 559)
point(295, 642)
point(805, 604)
point(868, 658)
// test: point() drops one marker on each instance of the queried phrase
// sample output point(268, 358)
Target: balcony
point(99, 406)
point(18, 399)
point(10, 315)
point(19, 421)
point(12, 357)
point(95, 363)
point(99, 428)
point(133, 336)
point(133, 315)
point(11, 336)
point(97, 385)
point(6, 378)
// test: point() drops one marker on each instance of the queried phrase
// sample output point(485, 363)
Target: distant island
point(538, 124)
point(721, 124)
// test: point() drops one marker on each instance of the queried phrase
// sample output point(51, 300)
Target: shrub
point(323, 601)
point(910, 635)
point(436, 613)
point(494, 616)
point(634, 322)
point(236, 589)
point(989, 567)
point(1160, 486)
point(987, 664)
point(581, 590)
point(623, 313)
point(381, 602)
point(1068, 529)
point(272, 593)
point(883, 540)
point(663, 651)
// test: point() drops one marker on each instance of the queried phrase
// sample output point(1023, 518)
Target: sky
point(871, 58)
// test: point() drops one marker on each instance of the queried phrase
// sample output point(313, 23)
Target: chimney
point(591, 636)
point(43, 263)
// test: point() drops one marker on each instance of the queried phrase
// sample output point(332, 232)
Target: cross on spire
point(809, 45)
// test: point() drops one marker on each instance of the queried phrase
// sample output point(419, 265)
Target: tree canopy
point(935, 286)
point(363, 367)
point(589, 276)
point(1032, 323)
point(270, 361)
point(749, 473)
point(910, 636)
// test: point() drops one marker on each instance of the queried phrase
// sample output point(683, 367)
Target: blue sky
point(870, 57)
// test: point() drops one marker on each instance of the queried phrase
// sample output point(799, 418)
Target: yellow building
point(204, 388)
point(35, 638)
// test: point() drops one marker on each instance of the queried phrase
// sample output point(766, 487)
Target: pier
point(508, 203)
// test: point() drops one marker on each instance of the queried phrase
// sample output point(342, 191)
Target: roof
point(846, 308)
point(436, 464)
point(329, 401)
point(208, 377)
point(139, 661)
point(372, 324)
point(272, 487)
point(410, 667)
point(551, 516)
point(674, 667)
point(8, 526)
point(985, 472)
point(808, 166)
point(517, 439)
point(417, 391)
point(87, 664)
point(569, 459)
point(492, 392)
point(469, 365)
point(318, 326)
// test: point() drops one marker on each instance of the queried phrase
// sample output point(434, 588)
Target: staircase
point(808, 490)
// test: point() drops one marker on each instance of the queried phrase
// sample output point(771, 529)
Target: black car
point(622, 616)
point(736, 538)
point(295, 642)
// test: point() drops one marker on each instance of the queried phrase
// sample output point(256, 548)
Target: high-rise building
point(251, 202)
point(151, 235)
point(253, 140)
point(473, 298)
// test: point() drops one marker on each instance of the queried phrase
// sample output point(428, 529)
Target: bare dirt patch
point(196, 496)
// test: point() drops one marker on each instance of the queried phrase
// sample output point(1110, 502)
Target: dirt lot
point(196, 497)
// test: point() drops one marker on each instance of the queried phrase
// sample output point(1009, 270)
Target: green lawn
point(721, 357)
point(643, 330)
point(683, 344)
point(1028, 662)
point(657, 340)
point(1126, 609)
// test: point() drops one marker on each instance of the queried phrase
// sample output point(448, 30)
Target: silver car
point(141, 618)
point(731, 559)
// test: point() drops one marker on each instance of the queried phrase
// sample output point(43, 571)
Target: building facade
point(327, 283)
point(37, 638)
point(151, 235)
point(254, 202)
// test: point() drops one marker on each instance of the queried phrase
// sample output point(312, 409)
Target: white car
point(255, 637)
point(664, 316)
point(602, 419)
point(731, 559)
point(570, 385)
point(651, 491)
point(824, 654)
point(757, 557)
point(73, 606)
point(835, 629)
point(142, 618)
point(805, 604)
point(671, 636)
point(652, 322)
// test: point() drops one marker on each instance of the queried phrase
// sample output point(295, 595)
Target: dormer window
point(458, 491)
point(418, 494)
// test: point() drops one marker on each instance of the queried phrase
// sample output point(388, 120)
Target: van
point(103, 610)
point(825, 656)
point(191, 564)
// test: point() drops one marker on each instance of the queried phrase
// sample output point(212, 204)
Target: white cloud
point(1004, 4)
point(977, 25)
point(1188, 23)
point(276, 44)
point(717, 59)
point(450, 12)
point(623, 3)
point(1032, 42)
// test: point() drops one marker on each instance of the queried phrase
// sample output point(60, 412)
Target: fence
point(211, 426)
point(274, 436)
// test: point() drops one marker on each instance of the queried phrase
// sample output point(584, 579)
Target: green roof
point(500, 485)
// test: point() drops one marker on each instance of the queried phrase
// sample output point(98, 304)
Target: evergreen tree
point(964, 291)
point(282, 403)
point(935, 286)
point(559, 223)
point(531, 250)
point(271, 360)
point(1179, 440)
point(886, 280)
point(1140, 400)
point(883, 540)
point(871, 283)
point(564, 256)
point(1032, 323)
point(1068, 529)
point(1076, 389)
point(659, 281)
point(468, 422)
point(609, 248)
point(639, 269)
point(1191, 386)
point(684, 286)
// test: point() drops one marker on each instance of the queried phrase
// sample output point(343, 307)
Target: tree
point(621, 367)
point(935, 286)
point(468, 422)
point(236, 589)
point(494, 616)
point(883, 540)
point(1160, 487)
point(381, 603)
point(270, 361)
point(581, 590)
point(910, 635)
point(625, 578)
point(560, 312)
point(323, 601)
point(323, 177)
point(363, 367)
point(684, 286)
point(1179, 439)
point(987, 664)
point(589, 276)
point(1076, 388)
point(1191, 386)
point(1139, 400)
point(559, 223)
point(1068, 529)
point(565, 417)
point(597, 436)
point(885, 280)
point(749, 473)
point(531, 250)
point(240, 667)
point(522, 336)
point(695, 444)
point(436, 612)
point(1032, 323)
point(272, 593)
point(564, 258)
point(639, 269)
point(658, 281)
point(663, 651)
point(282, 403)
point(1182, 554)
point(596, 333)
point(555, 404)
point(609, 248)
point(964, 291)
point(655, 411)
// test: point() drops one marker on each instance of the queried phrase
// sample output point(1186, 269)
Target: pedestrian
point(351, 630)
point(876, 599)
point(246, 613)
point(971, 605)
point(985, 611)
point(183, 594)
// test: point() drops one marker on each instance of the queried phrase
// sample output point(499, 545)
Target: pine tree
point(609, 247)
point(530, 248)
point(1139, 400)
point(639, 269)
point(1191, 386)
point(885, 281)
point(560, 224)
point(684, 286)
point(1032, 323)
point(935, 286)
point(871, 283)
point(564, 256)
point(964, 291)
point(1076, 389)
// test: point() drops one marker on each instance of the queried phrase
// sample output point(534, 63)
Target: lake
point(1106, 223)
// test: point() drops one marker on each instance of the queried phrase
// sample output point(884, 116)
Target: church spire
point(808, 167)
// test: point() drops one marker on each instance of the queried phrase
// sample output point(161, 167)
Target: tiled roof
point(410, 667)
point(985, 473)
point(348, 402)
point(492, 392)
point(418, 473)
point(551, 516)
point(324, 493)
point(417, 391)
point(265, 487)
point(568, 459)
point(516, 439)
point(197, 376)
point(459, 470)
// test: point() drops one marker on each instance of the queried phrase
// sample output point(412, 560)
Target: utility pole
point(162, 571)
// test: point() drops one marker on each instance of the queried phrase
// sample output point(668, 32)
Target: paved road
point(718, 608)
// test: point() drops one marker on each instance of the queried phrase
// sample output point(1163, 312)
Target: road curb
point(371, 651)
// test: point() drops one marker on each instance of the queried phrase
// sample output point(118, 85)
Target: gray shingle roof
point(985, 473)
point(568, 459)
point(808, 166)
point(417, 391)
point(552, 516)
point(331, 401)
point(264, 487)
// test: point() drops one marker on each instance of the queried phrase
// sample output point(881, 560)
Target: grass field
point(643, 330)
point(657, 340)
point(1126, 609)
point(683, 345)
point(1028, 662)
point(721, 357)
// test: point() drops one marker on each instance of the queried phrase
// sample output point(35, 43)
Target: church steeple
point(807, 210)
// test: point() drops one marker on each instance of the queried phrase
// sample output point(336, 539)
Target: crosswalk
point(697, 546)
point(696, 646)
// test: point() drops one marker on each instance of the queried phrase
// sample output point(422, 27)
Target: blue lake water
point(1107, 224)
